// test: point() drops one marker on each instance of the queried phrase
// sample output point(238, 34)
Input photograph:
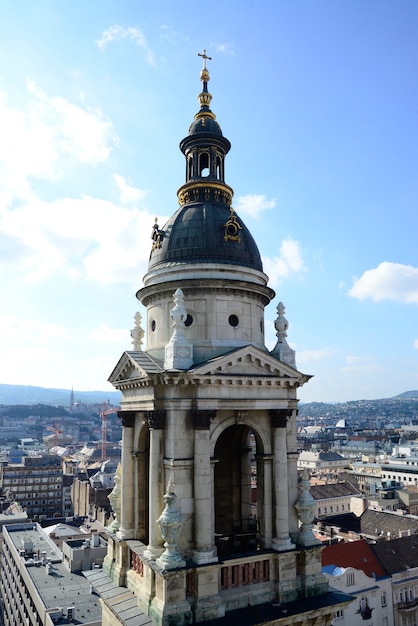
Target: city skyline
point(319, 102)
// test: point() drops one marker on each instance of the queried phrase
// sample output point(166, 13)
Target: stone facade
point(209, 442)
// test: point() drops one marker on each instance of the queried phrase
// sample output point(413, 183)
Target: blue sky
point(320, 102)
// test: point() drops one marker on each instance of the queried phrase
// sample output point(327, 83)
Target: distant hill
point(408, 394)
point(403, 406)
point(25, 394)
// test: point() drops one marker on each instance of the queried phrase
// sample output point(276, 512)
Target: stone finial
point(179, 350)
point(282, 350)
point(115, 499)
point(137, 332)
point(305, 506)
point(169, 523)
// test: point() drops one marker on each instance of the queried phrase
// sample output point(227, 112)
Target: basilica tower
point(208, 497)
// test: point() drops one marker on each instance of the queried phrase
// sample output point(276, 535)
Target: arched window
point(204, 165)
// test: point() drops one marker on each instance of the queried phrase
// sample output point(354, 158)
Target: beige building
point(336, 498)
point(36, 484)
point(200, 405)
point(323, 465)
point(39, 587)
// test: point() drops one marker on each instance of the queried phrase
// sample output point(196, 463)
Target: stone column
point(267, 514)
point(203, 519)
point(281, 540)
point(156, 421)
point(126, 526)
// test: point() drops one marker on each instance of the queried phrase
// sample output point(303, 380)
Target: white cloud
point(105, 334)
point(30, 332)
point(225, 48)
point(169, 34)
point(307, 356)
point(360, 364)
point(388, 281)
point(44, 344)
point(253, 204)
point(40, 138)
point(129, 194)
point(83, 237)
point(289, 262)
point(132, 33)
point(352, 359)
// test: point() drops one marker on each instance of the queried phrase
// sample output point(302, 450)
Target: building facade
point(36, 484)
point(203, 403)
point(37, 587)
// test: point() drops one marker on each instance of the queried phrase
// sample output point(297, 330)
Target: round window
point(233, 320)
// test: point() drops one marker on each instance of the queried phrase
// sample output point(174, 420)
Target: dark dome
point(196, 234)
point(205, 125)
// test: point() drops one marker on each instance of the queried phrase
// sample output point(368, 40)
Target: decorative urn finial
point(179, 350)
point(137, 333)
point(282, 350)
point(305, 506)
point(169, 523)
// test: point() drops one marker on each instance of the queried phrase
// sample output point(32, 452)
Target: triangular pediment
point(248, 361)
point(134, 366)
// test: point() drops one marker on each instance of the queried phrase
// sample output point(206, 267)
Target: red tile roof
point(357, 554)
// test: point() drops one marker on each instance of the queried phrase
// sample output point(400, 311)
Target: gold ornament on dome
point(157, 236)
point(232, 228)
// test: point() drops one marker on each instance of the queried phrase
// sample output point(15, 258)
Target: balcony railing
point(407, 605)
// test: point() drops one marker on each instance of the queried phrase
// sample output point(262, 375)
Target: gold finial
point(204, 57)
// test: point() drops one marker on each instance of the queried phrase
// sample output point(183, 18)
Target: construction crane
point(106, 410)
point(57, 431)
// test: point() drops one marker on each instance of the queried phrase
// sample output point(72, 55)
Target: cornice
point(205, 191)
point(193, 287)
point(175, 379)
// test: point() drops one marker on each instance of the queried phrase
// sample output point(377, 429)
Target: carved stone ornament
point(137, 333)
point(156, 418)
point(282, 350)
point(179, 350)
point(115, 500)
point(279, 417)
point(157, 236)
point(202, 418)
point(127, 418)
point(305, 506)
point(169, 523)
point(232, 228)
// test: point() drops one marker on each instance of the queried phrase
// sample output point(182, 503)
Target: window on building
point(383, 599)
point(339, 615)
point(350, 579)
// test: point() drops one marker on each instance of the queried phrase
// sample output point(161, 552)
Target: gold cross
point(204, 57)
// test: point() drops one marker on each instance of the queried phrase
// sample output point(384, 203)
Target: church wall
point(210, 331)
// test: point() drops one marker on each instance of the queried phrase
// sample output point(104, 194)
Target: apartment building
point(354, 569)
point(36, 483)
point(39, 587)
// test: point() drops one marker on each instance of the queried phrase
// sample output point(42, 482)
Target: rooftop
point(333, 490)
point(353, 554)
point(55, 584)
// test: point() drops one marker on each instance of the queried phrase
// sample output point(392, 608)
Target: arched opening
point(141, 485)
point(237, 506)
point(204, 166)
